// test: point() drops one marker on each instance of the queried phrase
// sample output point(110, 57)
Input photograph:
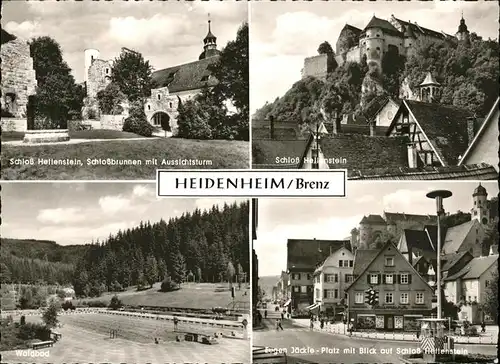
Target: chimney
point(336, 123)
point(471, 129)
point(412, 155)
point(271, 127)
point(372, 128)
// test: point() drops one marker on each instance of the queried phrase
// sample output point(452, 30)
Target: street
point(302, 345)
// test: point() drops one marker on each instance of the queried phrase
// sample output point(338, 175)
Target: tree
point(6, 275)
point(178, 272)
point(239, 272)
point(133, 75)
point(490, 305)
point(141, 281)
point(58, 98)
point(230, 273)
point(193, 120)
point(50, 314)
point(325, 48)
point(198, 274)
point(151, 270)
point(110, 99)
point(231, 70)
point(115, 303)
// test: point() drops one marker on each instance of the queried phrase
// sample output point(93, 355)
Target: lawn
point(80, 134)
point(203, 295)
point(175, 153)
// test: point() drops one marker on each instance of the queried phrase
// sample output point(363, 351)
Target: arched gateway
point(161, 118)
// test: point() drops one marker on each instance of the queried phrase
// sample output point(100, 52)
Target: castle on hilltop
point(377, 38)
point(172, 86)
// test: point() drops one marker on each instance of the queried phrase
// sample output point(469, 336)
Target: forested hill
point(468, 74)
point(38, 261)
point(202, 243)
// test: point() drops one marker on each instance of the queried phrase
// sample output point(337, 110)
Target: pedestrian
point(311, 326)
point(322, 323)
point(176, 321)
point(282, 315)
point(483, 326)
point(279, 325)
point(265, 314)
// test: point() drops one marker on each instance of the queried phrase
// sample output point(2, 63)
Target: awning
point(312, 307)
point(287, 303)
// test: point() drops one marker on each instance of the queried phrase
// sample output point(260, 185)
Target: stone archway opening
point(161, 120)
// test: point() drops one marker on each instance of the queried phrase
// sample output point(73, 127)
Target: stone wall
point(161, 101)
point(13, 124)
point(112, 122)
point(99, 77)
point(316, 66)
point(18, 77)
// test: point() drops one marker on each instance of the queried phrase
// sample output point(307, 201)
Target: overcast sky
point(284, 33)
point(76, 213)
point(166, 33)
point(333, 219)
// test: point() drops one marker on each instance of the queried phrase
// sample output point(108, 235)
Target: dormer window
point(107, 71)
point(159, 96)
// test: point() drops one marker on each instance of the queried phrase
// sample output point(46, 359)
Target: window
point(329, 278)
point(475, 298)
point(373, 278)
point(303, 289)
point(346, 263)
point(171, 105)
point(419, 299)
point(358, 298)
point(296, 276)
point(351, 263)
point(469, 299)
point(378, 48)
point(389, 261)
point(329, 293)
point(404, 299)
point(389, 298)
point(296, 288)
point(340, 263)
point(348, 278)
point(308, 276)
point(389, 279)
point(486, 283)
point(149, 107)
point(336, 278)
point(404, 278)
point(335, 293)
point(317, 295)
point(159, 96)
point(107, 71)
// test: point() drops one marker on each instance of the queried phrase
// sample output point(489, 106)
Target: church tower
point(480, 209)
point(209, 44)
point(463, 33)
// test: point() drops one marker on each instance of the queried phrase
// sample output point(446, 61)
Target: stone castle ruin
point(378, 38)
point(173, 85)
point(18, 82)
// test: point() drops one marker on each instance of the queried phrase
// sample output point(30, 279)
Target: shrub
point(97, 304)
point(168, 285)
point(115, 303)
point(138, 126)
point(68, 305)
point(91, 114)
point(32, 331)
point(116, 287)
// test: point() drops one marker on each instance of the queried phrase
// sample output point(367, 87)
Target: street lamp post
point(438, 196)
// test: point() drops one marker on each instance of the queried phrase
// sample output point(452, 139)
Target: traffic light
point(375, 298)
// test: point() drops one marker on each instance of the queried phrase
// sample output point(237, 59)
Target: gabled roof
point(444, 126)
point(456, 235)
point(418, 240)
point(478, 137)
point(382, 24)
point(373, 219)
point(362, 258)
point(365, 153)
point(475, 268)
point(449, 260)
point(184, 77)
point(474, 172)
point(351, 28)
point(374, 256)
point(419, 30)
point(309, 253)
point(265, 153)
point(394, 217)
point(375, 105)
